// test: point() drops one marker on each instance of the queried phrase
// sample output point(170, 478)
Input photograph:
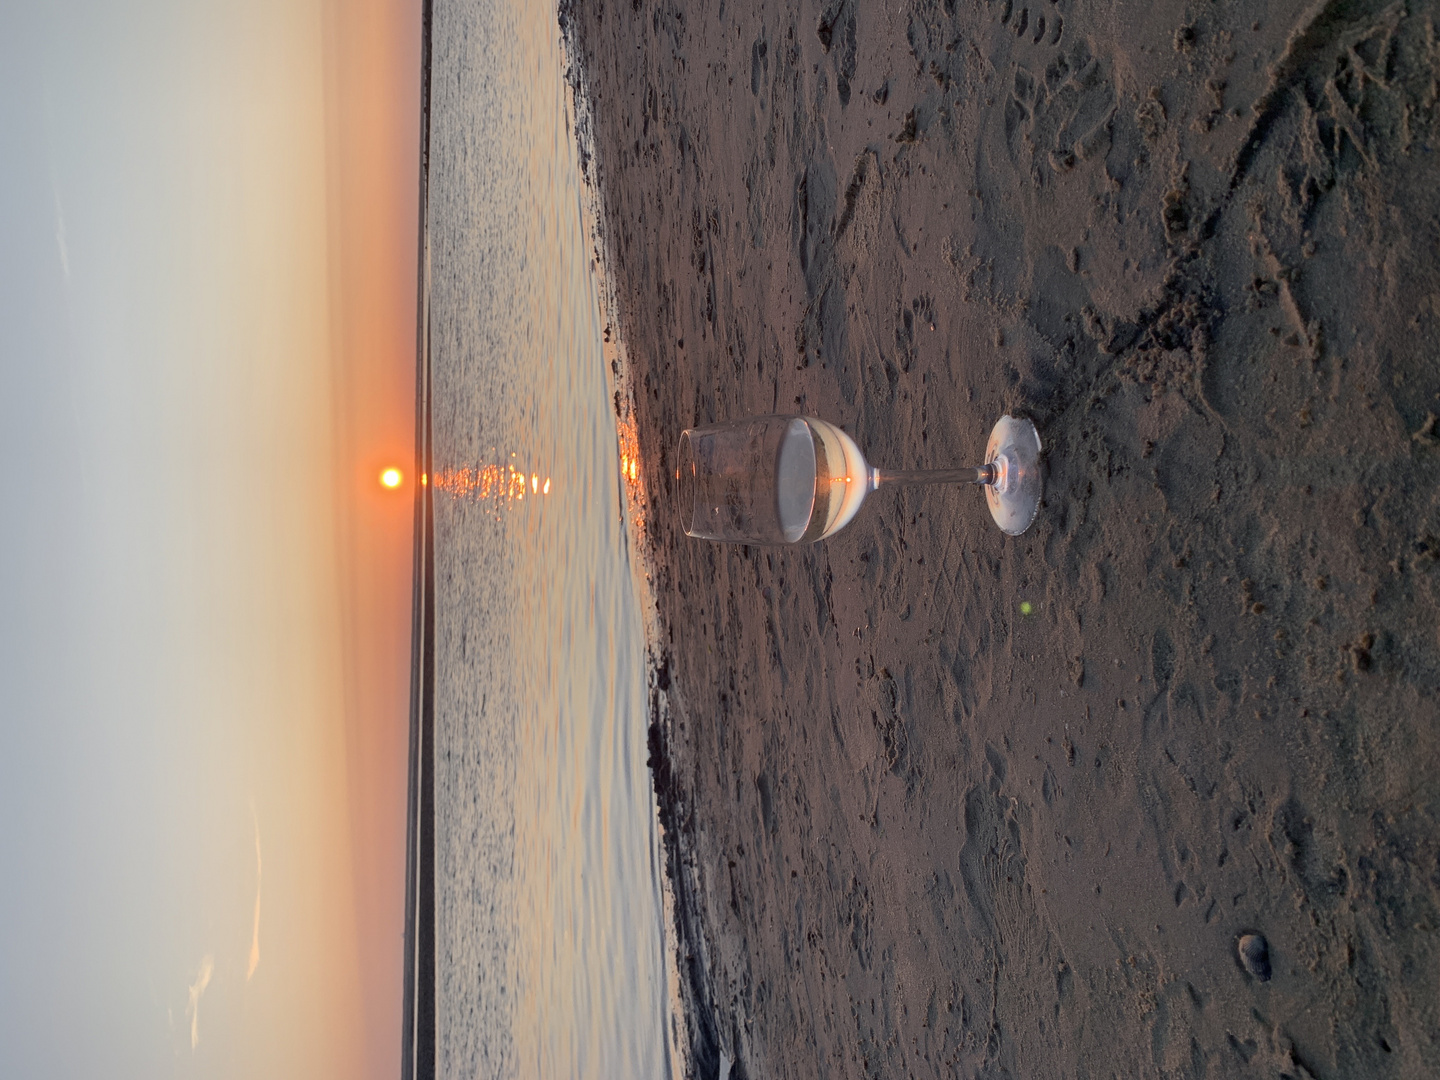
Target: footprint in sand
point(1061, 97)
point(1341, 96)
point(1061, 116)
point(1036, 26)
point(836, 31)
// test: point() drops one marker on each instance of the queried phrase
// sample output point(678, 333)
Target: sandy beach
point(914, 830)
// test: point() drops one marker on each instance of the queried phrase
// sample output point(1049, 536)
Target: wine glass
point(790, 479)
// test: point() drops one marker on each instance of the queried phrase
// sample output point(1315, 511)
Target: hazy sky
point(207, 246)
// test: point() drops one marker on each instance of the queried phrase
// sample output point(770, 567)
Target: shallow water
point(550, 953)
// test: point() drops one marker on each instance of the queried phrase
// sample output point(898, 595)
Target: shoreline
point(691, 1043)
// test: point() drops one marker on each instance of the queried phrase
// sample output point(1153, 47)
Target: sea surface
point(550, 948)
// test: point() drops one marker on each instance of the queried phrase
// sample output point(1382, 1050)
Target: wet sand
point(914, 831)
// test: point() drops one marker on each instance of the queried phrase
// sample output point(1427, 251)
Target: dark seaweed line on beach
point(677, 819)
point(418, 1034)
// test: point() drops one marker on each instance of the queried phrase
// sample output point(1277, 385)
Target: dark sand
point(916, 832)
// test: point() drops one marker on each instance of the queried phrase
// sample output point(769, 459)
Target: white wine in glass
point(796, 479)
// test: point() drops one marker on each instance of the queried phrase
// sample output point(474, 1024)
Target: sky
point(207, 348)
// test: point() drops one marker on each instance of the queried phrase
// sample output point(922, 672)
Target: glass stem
point(978, 474)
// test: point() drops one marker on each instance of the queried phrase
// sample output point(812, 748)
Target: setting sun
point(391, 478)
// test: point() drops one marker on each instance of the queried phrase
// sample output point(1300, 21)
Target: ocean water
point(550, 950)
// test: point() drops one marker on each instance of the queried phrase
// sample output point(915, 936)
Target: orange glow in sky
point(371, 80)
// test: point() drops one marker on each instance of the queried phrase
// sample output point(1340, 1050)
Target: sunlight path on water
point(550, 951)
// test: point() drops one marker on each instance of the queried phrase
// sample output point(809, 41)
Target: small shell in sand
point(1254, 952)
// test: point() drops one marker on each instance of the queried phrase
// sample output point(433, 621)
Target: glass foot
point(1014, 495)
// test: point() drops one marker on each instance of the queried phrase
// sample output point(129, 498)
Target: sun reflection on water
point(630, 478)
point(491, 483)
point(507, 483)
